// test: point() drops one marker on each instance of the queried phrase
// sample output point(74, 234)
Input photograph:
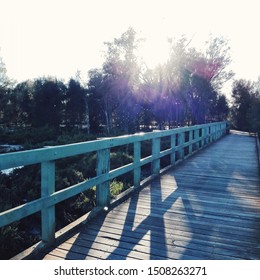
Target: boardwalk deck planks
point(208, 207)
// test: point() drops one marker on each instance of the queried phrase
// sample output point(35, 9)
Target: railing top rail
point(16, 159)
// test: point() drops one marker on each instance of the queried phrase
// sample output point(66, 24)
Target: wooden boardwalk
point(208, 207)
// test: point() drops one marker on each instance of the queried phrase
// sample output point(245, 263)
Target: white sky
point(59, 37)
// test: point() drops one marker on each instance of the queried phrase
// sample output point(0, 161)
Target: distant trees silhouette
point(245, 110)
point(124, 95)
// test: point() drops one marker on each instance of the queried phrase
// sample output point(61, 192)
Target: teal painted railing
point(184, 141)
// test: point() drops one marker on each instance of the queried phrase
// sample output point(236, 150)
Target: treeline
point(124, 95)
point(245, 110)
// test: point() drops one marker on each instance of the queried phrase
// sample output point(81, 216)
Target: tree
point(121, 72)
point(25, 97)
point(221, 110)
point(186, 89)
point(101, 101)
point(5, 82)
point(76, 104)
point(116, 84)
point(254, 113)
point(5, 86)
point(48, 106)
point(242, 101)
point(201, 99)
point(216, 62)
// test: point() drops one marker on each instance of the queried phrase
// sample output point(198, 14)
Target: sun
point(154, 51)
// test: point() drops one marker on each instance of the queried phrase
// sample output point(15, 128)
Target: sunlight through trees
point(124, 95)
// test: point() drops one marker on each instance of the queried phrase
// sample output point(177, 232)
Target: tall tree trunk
point(87, 118)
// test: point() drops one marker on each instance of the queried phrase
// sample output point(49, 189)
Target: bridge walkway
point(207, 207)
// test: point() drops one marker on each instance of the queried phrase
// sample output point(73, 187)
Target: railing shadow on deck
point(152, 230)
point(198, 137)
point(126, 240)
point(205, 225)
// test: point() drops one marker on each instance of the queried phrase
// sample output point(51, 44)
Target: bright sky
point(59, 37)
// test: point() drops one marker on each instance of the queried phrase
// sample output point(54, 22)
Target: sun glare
point(154, 51)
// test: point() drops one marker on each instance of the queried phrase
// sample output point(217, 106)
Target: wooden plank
point(174, 231)
point(67, 255)
point(140, 232)
point(191, 227)
point(103, 251)
point(177, 216)
point(184, 200)
point(143, 247)
point(193, 241)
point(53, 257)
point(196, 225)
point(199, 248)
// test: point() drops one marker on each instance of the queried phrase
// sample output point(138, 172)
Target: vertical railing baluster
point(181, 140)
point(156, 147)
point(203, 133)
point(173, 145)
point(190, 141)
point(197, 136)
point(211, 134)
point(207, 132)
point(137, 170)
point(48, 213)
point(103, 167)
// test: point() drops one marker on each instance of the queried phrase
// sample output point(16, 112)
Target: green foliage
point(7, 248)
point(241, 94)
point(116, 188)
point(246, 106)
point(76, 103)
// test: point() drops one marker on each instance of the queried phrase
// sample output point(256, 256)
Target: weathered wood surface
point(208, 207)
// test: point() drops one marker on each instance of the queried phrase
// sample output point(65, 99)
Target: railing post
point(137, 170)
point(156, 147)
point(181, 140)
point(217, 132)
point(214, 132)
point(197, 136)
point(211, 133)
point(207, 133)
point(173, 144)
point(203, 133)
point(190, 141)
point(48, 214)
point(103, 167)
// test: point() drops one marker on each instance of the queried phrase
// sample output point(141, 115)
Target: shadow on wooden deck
point(205, 208)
